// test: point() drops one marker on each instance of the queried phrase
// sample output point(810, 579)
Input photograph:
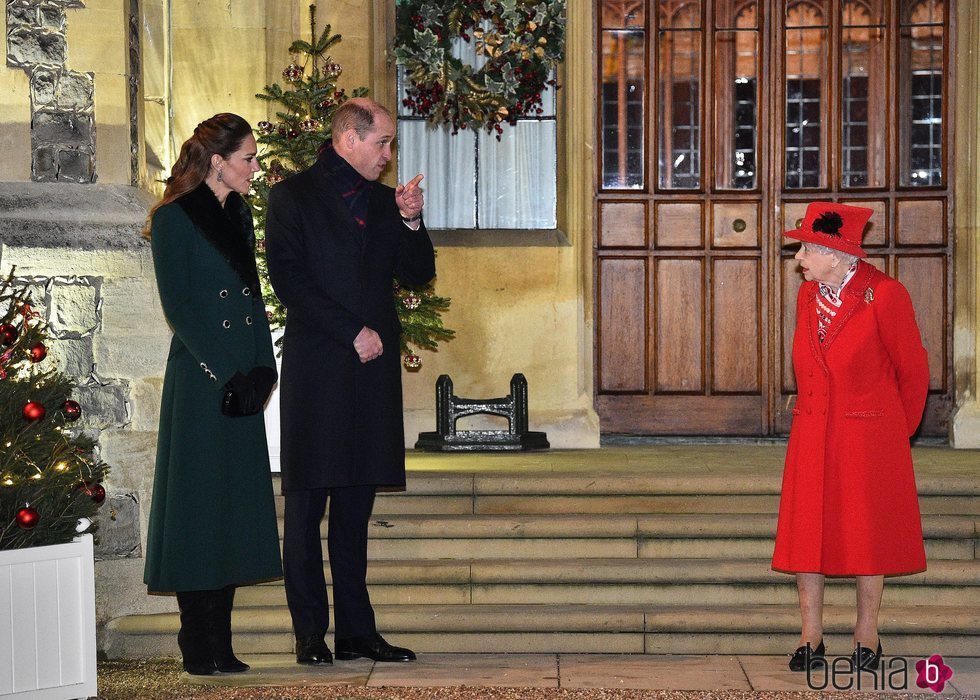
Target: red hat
point(837, 226)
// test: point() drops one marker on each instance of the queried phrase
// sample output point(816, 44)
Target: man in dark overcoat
point(335, 239)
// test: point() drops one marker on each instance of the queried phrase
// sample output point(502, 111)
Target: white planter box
point(47, 622)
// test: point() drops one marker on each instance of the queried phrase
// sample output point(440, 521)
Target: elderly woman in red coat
point(849, 505)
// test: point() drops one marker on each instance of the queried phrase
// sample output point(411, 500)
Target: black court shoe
point(864, 659)
point(808, 657)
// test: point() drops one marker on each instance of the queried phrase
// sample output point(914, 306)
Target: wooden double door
point(717, 121)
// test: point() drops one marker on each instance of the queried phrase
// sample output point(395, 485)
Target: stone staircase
point(632, 560)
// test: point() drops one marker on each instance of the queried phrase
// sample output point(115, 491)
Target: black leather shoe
point(864, 659)
point(313, 651)
point(373, 647)
point(808, 657)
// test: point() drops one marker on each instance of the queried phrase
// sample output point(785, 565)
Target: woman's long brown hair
point(222, 134)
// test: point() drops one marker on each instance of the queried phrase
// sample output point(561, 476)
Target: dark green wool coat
point(212, 517)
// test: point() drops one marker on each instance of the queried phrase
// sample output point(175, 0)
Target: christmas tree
point(304, 111)
point(49, 475)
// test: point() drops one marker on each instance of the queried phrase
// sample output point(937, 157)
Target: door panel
point(735, 225)
point(920, 222)
point(677, 301)
point(923, 276)
point(736, 337)
point(720, 121)
point(678, 225)
point(623, 285)
point(622, 224)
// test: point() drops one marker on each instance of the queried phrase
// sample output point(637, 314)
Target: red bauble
point(73, 410)
point(8, 334)
point(97, 492)
point(38, 352)
point(33, 410)
point(27, 518)
point(93, 489)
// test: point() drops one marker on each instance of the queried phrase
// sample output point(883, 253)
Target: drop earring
point(220, 177)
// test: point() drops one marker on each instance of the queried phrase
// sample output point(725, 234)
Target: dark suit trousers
point(306, 588)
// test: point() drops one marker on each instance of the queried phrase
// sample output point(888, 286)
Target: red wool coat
point(849, 505)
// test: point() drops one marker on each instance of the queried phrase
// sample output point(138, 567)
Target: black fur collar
point(228, 229)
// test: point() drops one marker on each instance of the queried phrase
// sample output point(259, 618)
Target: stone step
point(744, 629)
point(653, 492)
point(656, 526)
point(411, 503)
point(690, 536)
point(606, 550)
point(664, 582)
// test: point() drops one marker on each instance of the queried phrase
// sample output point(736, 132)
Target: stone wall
point(91, 274)
point(62, 100)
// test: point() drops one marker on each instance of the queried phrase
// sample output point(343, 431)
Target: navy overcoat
point(341, 419)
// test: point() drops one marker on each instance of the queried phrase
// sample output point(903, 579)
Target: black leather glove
point(239, 397)
point(263, 379)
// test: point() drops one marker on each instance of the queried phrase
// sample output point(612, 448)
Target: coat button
point(809, 411)
point(809, 393)
point(226, 323)
point(246, 291)
point(224, 294)
point(248, 320)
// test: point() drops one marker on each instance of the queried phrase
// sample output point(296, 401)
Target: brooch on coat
point(869, 295)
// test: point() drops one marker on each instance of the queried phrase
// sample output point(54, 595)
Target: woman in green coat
point(212, 519)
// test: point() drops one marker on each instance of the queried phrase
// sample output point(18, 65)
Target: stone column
point(965, 423)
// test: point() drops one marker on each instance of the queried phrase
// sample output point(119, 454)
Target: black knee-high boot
point(219, 633)
point(193, 635)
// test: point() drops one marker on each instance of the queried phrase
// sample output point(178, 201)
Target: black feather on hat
point(829, 222)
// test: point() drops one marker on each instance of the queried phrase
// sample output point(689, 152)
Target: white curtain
point(516, 183)
point(449, 168)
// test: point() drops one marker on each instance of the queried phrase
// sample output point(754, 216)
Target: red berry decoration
point(292, 73)
point(33, 410)
point(412, 361)
point(73, 410)
point(38, 352)
point(8, 334)
point(27, 518)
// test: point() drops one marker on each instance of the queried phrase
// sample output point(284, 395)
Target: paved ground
point(593, 671)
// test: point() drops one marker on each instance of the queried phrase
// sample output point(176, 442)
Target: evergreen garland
point(518, 44)
point(305, 109)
